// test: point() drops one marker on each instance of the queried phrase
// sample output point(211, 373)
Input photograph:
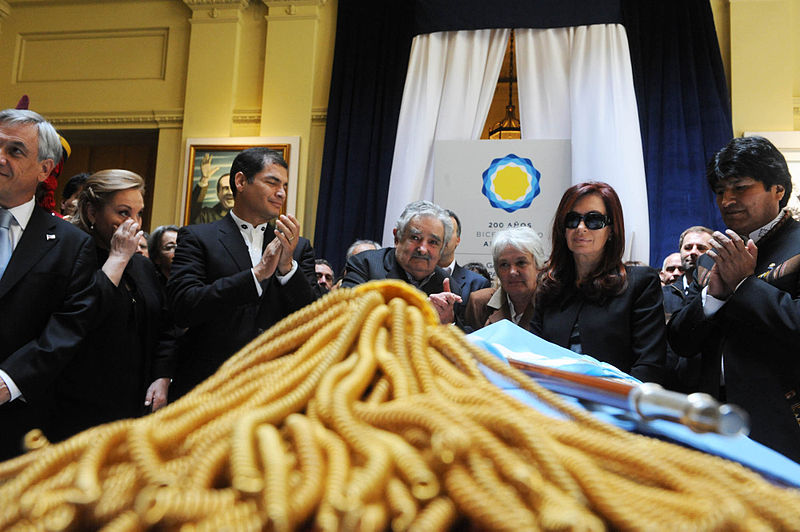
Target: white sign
point(495, 184)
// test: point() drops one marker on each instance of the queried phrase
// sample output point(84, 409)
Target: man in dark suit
point(462, 281)
point(683, 373)
point(234, 278)
point(46, 266)
point(419, 237)
point(743, 314)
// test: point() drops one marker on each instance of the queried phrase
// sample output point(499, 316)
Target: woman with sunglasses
point(587, 300)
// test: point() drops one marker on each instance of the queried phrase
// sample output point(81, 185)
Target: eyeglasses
point(592, 220)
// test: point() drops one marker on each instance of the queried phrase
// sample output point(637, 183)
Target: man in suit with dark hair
point(462, 281)
point(743, 312)
point(419, 237)
point(46, 267)
point(236, 277)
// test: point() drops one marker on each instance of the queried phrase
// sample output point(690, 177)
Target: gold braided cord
point(361, 412)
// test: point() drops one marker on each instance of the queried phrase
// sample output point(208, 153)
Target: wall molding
point(319, 115)
point(247, 116)
point(156, 119)
point(150, 66)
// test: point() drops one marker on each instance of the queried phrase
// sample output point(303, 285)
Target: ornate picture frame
point(204, 199)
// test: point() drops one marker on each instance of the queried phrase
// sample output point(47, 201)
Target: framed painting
point(207, 195)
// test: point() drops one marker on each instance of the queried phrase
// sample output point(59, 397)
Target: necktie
point(5, 239)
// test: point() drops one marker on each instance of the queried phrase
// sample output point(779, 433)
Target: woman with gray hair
point(518, 253)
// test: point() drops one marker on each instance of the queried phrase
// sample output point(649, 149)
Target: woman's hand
point(123, 245)
point(156, 395)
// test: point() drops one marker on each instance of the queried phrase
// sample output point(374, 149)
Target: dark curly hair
point(558, 275)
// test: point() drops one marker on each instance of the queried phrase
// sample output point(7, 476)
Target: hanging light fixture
point(508, 127)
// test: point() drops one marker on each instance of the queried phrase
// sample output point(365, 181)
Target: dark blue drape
point(373, 44)
point(684, 113)
point(680, 85)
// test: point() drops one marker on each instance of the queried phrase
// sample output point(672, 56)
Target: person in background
point(142, 247)
point(126, 362)
point(162, 243)
point(671, 269)
point(361, 245)
point(324, 274)
point(69, 195)
point(462, 281)
point(588, 300)
point(480, 269)
point(518, 253)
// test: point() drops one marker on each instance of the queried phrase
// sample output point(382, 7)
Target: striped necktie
point(5, 239)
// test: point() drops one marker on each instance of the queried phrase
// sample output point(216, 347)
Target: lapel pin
point(50, 236)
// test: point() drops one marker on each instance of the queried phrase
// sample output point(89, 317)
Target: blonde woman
point(125, 364)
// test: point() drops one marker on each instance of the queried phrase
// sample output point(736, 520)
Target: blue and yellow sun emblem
point(511, 183)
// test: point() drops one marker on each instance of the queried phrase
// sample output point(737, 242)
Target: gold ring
point(289, 238)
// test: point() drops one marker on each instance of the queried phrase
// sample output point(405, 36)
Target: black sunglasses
point(592, 220)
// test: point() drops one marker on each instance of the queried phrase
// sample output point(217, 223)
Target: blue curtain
point(684, 113)
point(373, 44)
point(682, 96)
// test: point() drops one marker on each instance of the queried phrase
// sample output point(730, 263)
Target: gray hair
point(424, 208)
point(522, 238)
point(49, 143)
point(361, 242)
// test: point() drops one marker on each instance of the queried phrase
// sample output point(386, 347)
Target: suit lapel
point(393, 269)
point(232, 240)
point(564, 319)
point(38, 238)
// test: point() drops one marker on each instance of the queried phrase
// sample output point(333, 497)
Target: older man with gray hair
point(46, 268)
point(419, 237)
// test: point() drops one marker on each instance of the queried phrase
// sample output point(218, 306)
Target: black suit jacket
point(46, 304)
point(757, 332)
point(380, 264)
point(628, 331)
point(682, 373)
point(212, 293)
point(463, 282)
point(132, 344)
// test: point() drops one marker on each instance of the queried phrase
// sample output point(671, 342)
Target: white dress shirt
point(254, 239)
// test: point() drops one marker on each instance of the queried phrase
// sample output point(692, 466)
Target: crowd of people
point(102, 322)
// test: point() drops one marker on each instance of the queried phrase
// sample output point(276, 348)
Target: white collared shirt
point(450, 268)
point(254, 240)
point(22, 215)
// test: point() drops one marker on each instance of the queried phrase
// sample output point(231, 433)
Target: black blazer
point(46, 304)
point(132, 344)
point(212, 293)
point(381, 264)
point(757, 331)
point(628, 331)
point(463, 282)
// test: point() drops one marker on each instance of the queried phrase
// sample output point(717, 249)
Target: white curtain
point(576, 83)
point(449, 87)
